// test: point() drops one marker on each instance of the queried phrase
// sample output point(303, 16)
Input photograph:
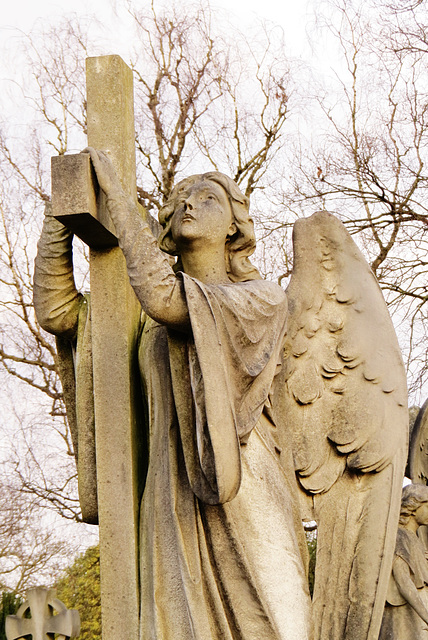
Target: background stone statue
point(406, 609)
point(417, 462)
point(231, 414)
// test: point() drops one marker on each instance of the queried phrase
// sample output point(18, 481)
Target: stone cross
point(115, 314)
point(41, 604)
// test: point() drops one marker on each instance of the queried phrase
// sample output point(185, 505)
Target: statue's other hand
point(105, 171)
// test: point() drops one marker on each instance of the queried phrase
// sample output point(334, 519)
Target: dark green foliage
point(9, 605)
point(79, 588)
point(312, 548)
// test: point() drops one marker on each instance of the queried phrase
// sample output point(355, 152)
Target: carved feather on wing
point(346, 408)
point(345, 377)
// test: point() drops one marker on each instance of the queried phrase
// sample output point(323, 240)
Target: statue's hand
point(105, 171)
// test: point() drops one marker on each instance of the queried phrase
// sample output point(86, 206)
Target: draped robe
point(220, 554)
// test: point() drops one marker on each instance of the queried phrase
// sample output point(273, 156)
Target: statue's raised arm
point(56, 299)
point(63, 311)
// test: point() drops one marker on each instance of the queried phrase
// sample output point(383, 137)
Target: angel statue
point(406, 608)
point(264, 407)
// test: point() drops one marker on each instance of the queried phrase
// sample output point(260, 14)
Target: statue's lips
point(188, 216)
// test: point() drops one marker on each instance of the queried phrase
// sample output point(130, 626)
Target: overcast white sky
point(22, 13)
point(291, 15)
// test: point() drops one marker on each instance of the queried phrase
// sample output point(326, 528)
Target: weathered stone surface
point(74, 201)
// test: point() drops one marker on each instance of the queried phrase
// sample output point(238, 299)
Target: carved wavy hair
point(238, 247)
point(411, 499)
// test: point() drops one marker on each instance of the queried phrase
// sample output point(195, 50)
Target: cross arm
point(76, 199)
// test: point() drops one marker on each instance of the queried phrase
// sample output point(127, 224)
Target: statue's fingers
point(101, 164)
point(94, 156)
point(104, 157)
point(92, 152)
point(97, 155)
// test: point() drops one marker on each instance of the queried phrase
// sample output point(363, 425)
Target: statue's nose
point(188, 205)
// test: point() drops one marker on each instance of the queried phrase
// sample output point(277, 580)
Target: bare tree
point(406, 26)
point(192, 100)
point(30, 554)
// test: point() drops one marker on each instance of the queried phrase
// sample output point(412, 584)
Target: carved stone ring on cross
point(41, 615)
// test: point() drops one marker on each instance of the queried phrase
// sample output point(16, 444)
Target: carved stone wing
point(346, 402)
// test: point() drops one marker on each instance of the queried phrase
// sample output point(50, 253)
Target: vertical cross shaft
point(115, 317)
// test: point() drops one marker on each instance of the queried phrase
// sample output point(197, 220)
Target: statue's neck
point(207, 265)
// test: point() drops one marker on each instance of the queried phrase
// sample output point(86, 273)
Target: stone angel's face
point(202, 212)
